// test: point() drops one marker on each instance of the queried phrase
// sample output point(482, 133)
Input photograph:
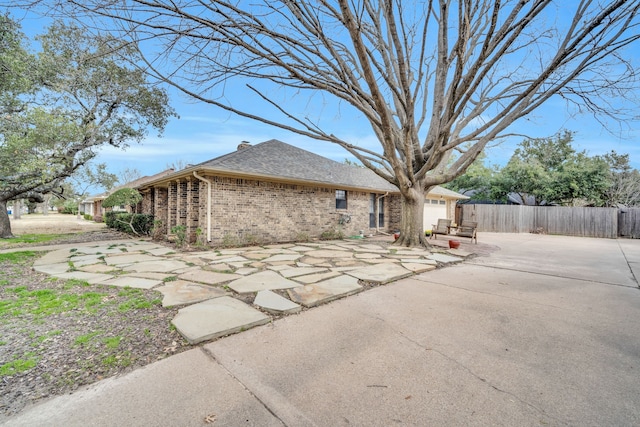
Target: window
point(373, 209)
point(341, 199)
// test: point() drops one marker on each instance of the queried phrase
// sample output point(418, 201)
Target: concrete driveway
point(544, 331)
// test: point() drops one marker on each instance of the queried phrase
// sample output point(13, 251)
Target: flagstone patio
point(213, 286)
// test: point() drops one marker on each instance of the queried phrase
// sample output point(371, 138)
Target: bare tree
point(128, 175)
point(430, 77)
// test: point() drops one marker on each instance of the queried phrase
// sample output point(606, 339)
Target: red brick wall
point(258, 212)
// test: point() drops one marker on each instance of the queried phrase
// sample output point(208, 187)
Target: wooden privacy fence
point(629, 223)
point(567, 221)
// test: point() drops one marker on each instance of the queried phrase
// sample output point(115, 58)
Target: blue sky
point(203, 132)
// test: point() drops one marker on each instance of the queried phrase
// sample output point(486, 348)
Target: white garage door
point(434, 209)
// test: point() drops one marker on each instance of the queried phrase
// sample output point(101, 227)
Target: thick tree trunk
point(411, 227)
point(5, 223)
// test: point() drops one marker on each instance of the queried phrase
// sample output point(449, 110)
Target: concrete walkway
point(544, 331)
point(213, 287)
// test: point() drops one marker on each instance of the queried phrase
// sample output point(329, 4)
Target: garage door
point(434, 209)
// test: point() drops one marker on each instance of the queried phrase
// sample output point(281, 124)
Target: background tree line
point(549, 171)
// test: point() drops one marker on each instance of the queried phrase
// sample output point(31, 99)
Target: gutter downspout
point(201, 178)
point(378, 214)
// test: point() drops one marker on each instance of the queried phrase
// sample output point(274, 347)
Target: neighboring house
point(440, 202)
point(93, 205)
point(274, 192)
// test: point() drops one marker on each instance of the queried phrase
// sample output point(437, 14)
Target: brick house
point(93, 204)
point(273, 192)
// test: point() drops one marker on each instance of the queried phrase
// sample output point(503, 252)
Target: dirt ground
point(124, 330)
point(52, 223)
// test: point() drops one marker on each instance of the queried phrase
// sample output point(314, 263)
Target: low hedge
point(122, 221)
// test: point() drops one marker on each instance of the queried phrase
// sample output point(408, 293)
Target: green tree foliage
point(16, 67)
point(80, 93)
point(625, 181)
point(550, 171)
point(127, 221)
point(124, 196)
point(476, 181)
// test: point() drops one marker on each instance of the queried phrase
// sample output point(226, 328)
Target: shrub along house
point(92, 205)
point(274, 192)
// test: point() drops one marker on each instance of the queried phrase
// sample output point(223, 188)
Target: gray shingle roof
point(280, 160)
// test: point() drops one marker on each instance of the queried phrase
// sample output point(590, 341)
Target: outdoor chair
point(468, 229)
point(442, 227)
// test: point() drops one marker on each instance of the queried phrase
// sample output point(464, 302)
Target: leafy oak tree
point(64, 102)
point(550, 171)
point(625, 181)
point(475, 181)
point(430, 77)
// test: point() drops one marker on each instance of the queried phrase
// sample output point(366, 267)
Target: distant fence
point(567, 221)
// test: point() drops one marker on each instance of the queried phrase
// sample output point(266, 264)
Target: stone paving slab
point(350, 263)
point(459, 252)
point(265, 280)
point(332, 253)
point(276, 251)
point(445, 259)
point(418, 268)
point(215, 318)
point(256, 255)
point(217, 267)
point(162, 250)
point(151, 275)
point(229, 259)
point(128, 259)
point(367, 255)
point(302, 248)
point(76, 258)
point(283, 257)
point(91, 278)
point(232, 251)
point(52, 269)
point(413, 252)
point(147, 247)
point(323, 292)
point(208, 277)
point(245, 271)
point(101, 250)
point(53, 257)
point(179, 292)
point(419, 261)
point(239, 264)
point(313, 261)
point(279, 246)
point(85, 262)
point(381, 273)
point(186, 269)
point(383, 261)
point(370, 248)
point(132, 282)
point(197, 255)
point(193, 261)
point(300, 271)
point(313, 278)
point(96, 268)
point(276, 304)
point(157, 266)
